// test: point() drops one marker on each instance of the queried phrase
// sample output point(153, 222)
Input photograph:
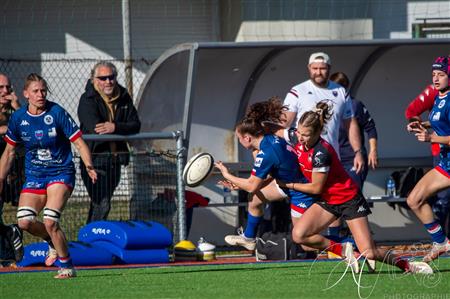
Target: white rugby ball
point(197, 169)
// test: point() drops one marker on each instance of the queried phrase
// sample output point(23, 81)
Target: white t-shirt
point(304, 97)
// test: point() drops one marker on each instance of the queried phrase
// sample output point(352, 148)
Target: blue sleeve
point(12, 133)
point(67, 124)
point(365, 120)
point(263, 165)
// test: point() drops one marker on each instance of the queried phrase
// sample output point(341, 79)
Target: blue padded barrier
point(82, 254)
point(127, 234)
point(34, 254)
point(136, 256)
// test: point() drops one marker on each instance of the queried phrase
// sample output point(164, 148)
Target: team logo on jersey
point(48, 119)
point(24, 123)
point(258, 161)
point(44, 154)
point(39, 134)
point(33, 185)
point(52, 132)
point(318, 157)
point(302, 205)
point(335, 93)
point(61, 180)
point(441, 104)
point(436, 116)
point(25, 136)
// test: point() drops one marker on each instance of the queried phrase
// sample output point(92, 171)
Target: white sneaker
point(241, 240)
point(64, 273)
point(349, 256)
point(52, 256)
point(202, 245)
point(437, 250)
point(371, 265)
point(420, 268)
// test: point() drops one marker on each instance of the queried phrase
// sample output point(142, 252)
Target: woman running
point(46, 130)
point(437, 179)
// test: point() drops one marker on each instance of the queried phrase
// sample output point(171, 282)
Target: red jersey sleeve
point(423, 102)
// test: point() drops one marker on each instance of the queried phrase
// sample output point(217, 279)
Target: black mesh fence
point(146, 191)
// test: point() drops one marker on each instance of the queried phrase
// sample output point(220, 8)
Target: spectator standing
point(8, 104)
point(106, 108)
point(366, 125)
point(304, 97)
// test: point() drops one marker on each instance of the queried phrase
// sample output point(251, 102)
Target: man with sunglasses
point(10, 235)
point(105, 108)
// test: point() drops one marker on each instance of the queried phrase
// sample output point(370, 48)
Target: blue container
point(135, 256)
point(82, 254)
point(127, 234)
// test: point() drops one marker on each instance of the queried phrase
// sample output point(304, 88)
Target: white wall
point(62, 40)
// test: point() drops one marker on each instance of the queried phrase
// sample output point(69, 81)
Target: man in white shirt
point(304, 97)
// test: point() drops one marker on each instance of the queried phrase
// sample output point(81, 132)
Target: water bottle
point(390, 187)
point(227, 196)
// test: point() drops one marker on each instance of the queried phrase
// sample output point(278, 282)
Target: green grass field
point(261, 280)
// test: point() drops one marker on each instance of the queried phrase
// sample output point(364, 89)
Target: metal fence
point(150, 188)
point(67, 78)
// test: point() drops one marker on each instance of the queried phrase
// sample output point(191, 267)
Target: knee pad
point(26, 213)
point(52, 214)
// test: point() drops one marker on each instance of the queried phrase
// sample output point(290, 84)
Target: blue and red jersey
point(440, 122)
point(46, 138)
point(278, 159)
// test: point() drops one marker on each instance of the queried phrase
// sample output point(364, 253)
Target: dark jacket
point(93, 110)
point(366, 124)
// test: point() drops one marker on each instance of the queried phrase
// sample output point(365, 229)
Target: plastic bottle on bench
point(227, 196)
point(391, 188)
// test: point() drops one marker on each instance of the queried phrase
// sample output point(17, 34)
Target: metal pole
point(189, 94)
point(139, 136)
point(181, 152)
point(126, 28)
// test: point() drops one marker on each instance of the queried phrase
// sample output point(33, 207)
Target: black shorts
point(355, 208)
